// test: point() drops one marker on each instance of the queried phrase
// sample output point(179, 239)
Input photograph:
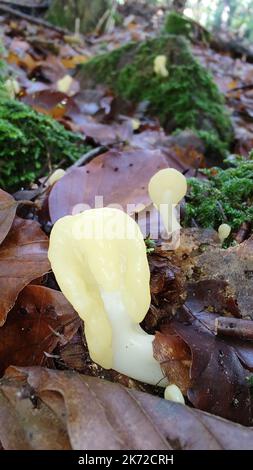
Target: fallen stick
point(87, 157)
point(235, 327)
point(32, 19)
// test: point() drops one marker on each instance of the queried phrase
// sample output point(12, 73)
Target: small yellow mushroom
point(100, 263)
point(56, 176)
point(224, 231)
point(166, 189)
point(64, 84)
point(160, 66)
point(173, 393)
point(135, 124)
point(12, 87)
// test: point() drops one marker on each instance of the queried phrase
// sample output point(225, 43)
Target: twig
point(32, 19)
point(87, 157)
point(24, 202)
point(235, 327)
point(239, 88)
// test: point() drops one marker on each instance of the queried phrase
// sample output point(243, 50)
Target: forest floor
point(41, 336)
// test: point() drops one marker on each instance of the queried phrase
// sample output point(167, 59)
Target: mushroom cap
point(100, 250)
point(56, 176)
point(224, 231)
point(168, 184)
point(160, 65)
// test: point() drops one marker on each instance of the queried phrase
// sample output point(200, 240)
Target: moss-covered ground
point(186, 99)
point(226, 196)
point(30, 142)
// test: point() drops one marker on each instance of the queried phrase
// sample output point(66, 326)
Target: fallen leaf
point(72, 62)
point(23, 258)
point(40, 319)
point(103, 133)
point(53, 103)
point(108, 175)
point(22, 60)
point(235, 266)
point(214, 282)
point(218, 369)
point(8, 207)
point(47, 409)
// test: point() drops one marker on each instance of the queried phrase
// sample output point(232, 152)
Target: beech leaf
point(40, 319)
point(23, 258)
point(48, 409)
point(8, 207)
point(108, 175)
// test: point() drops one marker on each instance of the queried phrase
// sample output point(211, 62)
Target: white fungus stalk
point(132, 347)
point(100, 263)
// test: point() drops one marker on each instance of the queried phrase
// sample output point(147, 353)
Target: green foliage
point(187, 98)
point(225, 197)
point(28, 140)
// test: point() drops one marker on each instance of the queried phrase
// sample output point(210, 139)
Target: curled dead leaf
point(8, 207)
point(23, 258)
point(40, 319)
point(47, 409)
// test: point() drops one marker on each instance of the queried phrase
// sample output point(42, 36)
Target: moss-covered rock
point(29, 141)
point(186, 98)
point(178, 24)
point(226, 196)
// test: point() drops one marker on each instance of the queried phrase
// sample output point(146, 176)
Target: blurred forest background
point(234, 17)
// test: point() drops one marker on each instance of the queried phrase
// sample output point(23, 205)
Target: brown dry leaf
point(174, 356)
point(47, 409)
point(103, 133)
point(214, 375)
point(8, 207)
point(72, 62)
point(217, 380)
point(234, 266)
point(23, 258)
point(120, 177)
point(40, 319)
point(23, 60)
point(50, 102)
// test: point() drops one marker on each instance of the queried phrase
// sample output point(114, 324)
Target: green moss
point(178, 24)
point(225, 197)
point(187, 98)
point(3, 91)
point(181, 25)
point(28, 140)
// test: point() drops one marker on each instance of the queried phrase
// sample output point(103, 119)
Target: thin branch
point(32, 19)
point(87, 157)
point(235, 327)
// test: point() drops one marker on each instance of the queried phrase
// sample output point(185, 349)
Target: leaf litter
point(190, 287)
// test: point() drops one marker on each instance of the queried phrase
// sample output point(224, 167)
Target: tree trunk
point(64, 13)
